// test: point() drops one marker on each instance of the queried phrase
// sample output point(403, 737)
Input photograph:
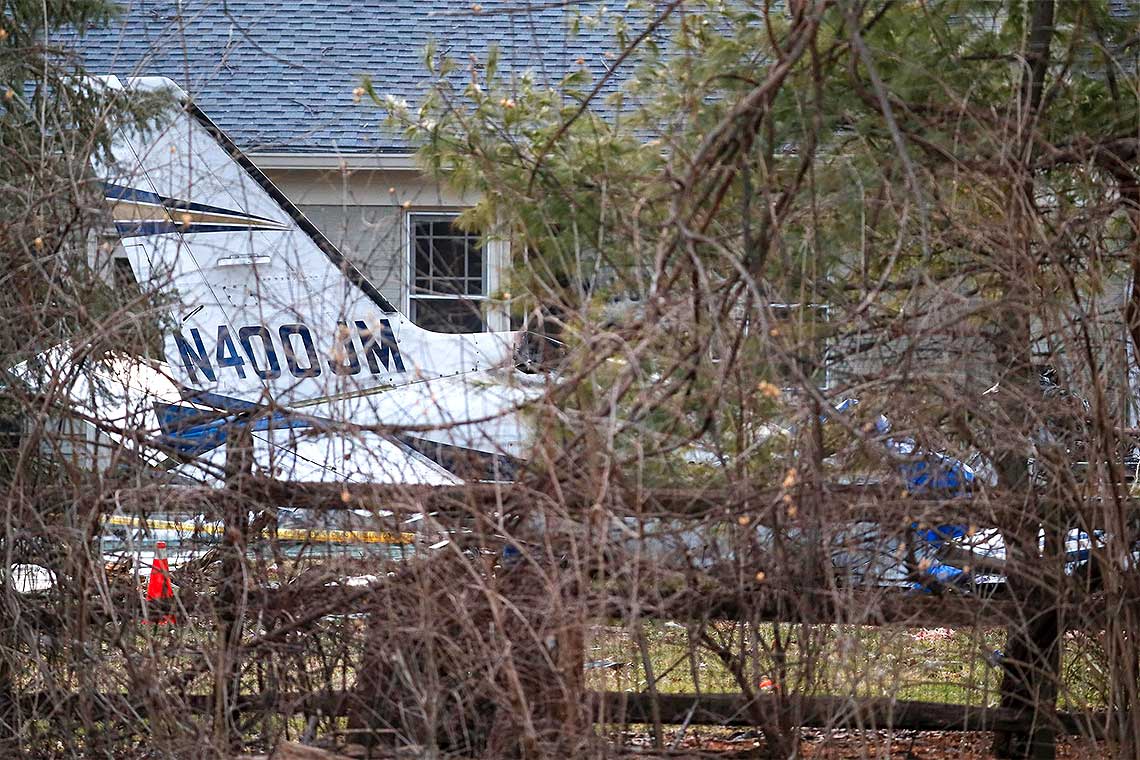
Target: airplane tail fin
point(267, 308)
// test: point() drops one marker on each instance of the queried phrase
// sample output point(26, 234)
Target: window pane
point(450, 315)
point(447, 257)
point(475, 263)
point(423, 259)
point(447, 286)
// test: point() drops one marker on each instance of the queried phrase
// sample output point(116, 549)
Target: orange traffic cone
point(158, 585)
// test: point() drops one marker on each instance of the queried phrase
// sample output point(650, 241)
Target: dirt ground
point(841, 744)
point(714, 744)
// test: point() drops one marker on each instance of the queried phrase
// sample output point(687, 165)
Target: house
point(279, 78)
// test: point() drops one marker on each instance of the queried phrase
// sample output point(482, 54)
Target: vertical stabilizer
point(267, 308)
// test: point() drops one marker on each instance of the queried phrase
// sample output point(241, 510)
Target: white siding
point(371, 237)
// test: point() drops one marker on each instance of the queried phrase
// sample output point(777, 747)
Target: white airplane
point(272, 327)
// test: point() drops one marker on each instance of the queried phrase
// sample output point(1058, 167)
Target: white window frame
point(496, 254)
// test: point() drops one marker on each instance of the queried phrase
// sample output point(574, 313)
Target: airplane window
point(124, 276)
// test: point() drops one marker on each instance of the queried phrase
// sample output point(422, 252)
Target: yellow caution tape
point(288, 534)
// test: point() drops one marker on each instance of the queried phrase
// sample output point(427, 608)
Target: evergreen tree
point(953, 179)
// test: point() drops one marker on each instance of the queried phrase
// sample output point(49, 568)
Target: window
point(449, 277)
point(123, 276)
point(804, 326)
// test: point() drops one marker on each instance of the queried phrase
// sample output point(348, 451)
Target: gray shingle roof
point(278, 76)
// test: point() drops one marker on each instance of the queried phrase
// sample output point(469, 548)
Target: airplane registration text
point(264, 353)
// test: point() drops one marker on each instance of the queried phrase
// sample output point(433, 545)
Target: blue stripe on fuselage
point(193, 431)
point(121, 193)
point(134, 229)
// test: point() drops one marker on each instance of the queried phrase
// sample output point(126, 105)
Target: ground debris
point(842, 744)
point(852, 744)
point(295, 751)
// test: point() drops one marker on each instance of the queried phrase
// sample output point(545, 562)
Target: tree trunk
point(1032, 653)
point(231, 587)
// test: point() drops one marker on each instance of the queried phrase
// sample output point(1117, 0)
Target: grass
point(933, 665)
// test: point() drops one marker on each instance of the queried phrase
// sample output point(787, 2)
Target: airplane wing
point(313, 456)
point(119, 410)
